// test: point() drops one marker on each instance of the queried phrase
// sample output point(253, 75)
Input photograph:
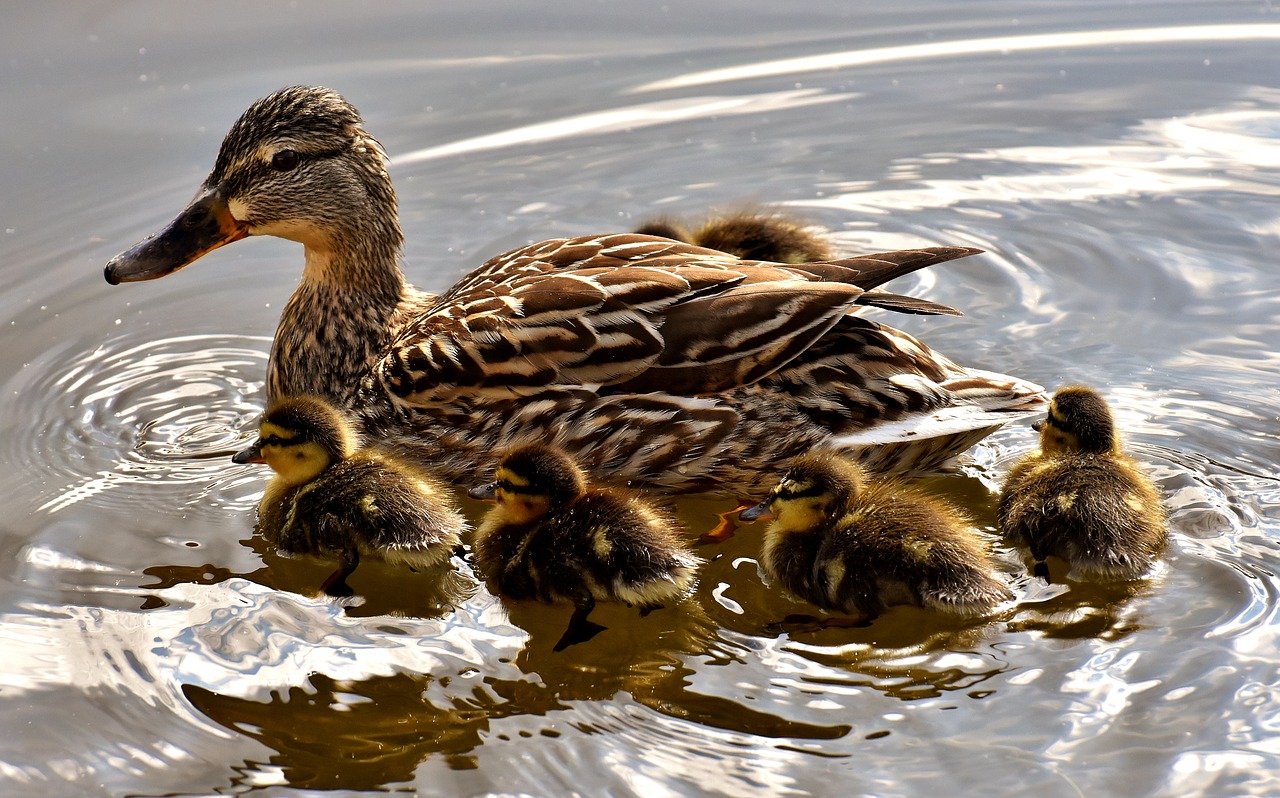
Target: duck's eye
point(284, 160)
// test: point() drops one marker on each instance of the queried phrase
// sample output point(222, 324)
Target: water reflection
point(1191, 154)
point(626, 119)
point(384, 727)
point(963, 47)
point(1125, 196)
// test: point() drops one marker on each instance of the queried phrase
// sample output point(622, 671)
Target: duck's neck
point(341, 317)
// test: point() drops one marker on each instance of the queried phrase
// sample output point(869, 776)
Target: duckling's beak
point(486, 493)
point(202, 227)
point(1037, 425)
point(251, 455)
point(757, 512)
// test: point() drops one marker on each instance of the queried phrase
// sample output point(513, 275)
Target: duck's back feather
point(637, 312)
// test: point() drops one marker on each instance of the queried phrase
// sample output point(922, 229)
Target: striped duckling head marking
point(532, 480)
point(300, 437)
point(1079, 420)
point(813, 489)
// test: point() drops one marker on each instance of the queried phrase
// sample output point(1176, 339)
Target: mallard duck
point(669, 365)
point(552, 537)
point(750, 235)
point(854, 544)
point(328, 497)
point(1080, 497)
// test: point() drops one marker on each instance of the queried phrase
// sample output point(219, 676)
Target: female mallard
point(654, 361)
point(552, 537)
point(1080, 497)
point(859, 545)
point(328, 497)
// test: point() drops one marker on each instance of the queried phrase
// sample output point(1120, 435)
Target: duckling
point(749, 235)
point(858, 545)
point(552, 537)
point(1080, 497)
point(329, 496)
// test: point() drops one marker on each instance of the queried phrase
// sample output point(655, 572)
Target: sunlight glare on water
point(1117, 164)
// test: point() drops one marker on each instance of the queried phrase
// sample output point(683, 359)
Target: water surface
point(1118, 164)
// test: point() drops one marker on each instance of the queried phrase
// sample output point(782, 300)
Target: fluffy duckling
point(1080, 497)
point(859, 545)
point(551, 537)
point(329, 497)
point(748, 235)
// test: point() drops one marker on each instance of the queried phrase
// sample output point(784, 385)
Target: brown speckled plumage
point(665, 363)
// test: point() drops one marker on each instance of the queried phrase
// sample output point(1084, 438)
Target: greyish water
point(1118, 162)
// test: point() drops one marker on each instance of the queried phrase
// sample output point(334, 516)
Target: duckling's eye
point(790, 491)
point(284, 160)
point(506, 485)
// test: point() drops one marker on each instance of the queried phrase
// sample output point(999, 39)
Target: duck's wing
point(871, 385)
point(633, 312)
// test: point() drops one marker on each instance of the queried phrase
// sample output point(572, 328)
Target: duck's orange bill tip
point(202, 227)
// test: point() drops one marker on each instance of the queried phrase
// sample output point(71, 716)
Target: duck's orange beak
point(202, 227)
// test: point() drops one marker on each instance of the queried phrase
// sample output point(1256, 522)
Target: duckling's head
point(748, 234)
point(762, 236)
point(533, 479)
point(666, 228)
point(300, 437)
point(1079, 420)
point(298, 165)
point(815, 487)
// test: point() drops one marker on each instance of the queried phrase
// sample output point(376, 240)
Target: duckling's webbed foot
point(336, 585)
point(580, 630)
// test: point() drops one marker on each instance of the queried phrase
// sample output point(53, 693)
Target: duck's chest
point(328, 340)
point(788, 559)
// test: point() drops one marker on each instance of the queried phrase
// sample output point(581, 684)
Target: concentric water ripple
point(1121, 180)
point(156, 415)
